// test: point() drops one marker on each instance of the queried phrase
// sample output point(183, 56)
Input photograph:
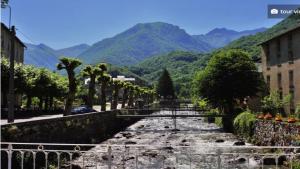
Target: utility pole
point(11, 92)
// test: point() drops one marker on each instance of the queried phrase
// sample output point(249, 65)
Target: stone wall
point(84, 128)
point(269, 133)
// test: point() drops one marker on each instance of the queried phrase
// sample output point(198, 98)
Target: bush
point(244, 123)
point(298, 111)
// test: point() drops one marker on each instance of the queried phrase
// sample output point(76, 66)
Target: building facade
point(281, 65)
point(6, 45)
point(6, 52)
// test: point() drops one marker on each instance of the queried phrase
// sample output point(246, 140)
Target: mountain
point(250, 43)
point(181, 65)
point(73, 50)
point(220, 37)
point(40, 55)
point(140, 42)
point(44, 56)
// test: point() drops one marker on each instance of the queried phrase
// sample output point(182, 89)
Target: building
point(6, 45)
point(281, 65)
point(123, 78)
point(6, 52)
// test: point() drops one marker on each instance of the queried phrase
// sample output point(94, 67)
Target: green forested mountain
point(220, 37)
point(250, 43)
point(140, 42)
point(180, 64)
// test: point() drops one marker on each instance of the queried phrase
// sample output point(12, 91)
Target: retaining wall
point(84, 128)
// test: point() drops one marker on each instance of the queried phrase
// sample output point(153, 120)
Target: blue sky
point(63, 23)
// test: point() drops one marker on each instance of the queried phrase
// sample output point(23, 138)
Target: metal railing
point(98, 156)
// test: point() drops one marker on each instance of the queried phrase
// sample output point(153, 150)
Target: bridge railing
point(42, 155)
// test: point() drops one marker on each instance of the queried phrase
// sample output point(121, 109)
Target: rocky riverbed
point(154, 143)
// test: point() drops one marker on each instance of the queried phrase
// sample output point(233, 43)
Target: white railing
point(98, 156)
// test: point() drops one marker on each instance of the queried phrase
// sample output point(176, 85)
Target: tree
point(69, 64)
point(274, 104)
point(229, 76)
point(117, 85)
point(125, 93)
point(165, 86)
point(104, 79)
point(91, 72)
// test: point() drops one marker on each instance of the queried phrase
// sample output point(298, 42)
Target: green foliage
point(181, 66)
point(274, 104)
point(298, 111)
point(229, 75)
point(165, 86)
point(244, 123)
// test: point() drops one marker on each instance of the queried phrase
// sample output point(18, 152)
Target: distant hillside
point(250, 43)
point(140, 42)
point(44, 56)
point(180, 64)
point(220, 37)
point(72, 51)
point(40, 55)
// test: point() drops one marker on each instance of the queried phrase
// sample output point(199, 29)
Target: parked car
point(82, 109)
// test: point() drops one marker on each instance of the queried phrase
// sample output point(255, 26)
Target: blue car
point(82, 110)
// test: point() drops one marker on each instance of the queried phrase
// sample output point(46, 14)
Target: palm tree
point(69, 64)
point(104, 79)
point(125, 93)
point(131, 89)
point(91, 72)
point(117, 85)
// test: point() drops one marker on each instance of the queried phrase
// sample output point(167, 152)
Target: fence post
point(219, 158)
point(109, 157)
point(9, 155)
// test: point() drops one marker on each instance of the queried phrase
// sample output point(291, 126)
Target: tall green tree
point(69, 64)
point(91, 72)
point(229, 76)
point(104, 80)
point(125, 93)
point(165, 88)
point(117, 85)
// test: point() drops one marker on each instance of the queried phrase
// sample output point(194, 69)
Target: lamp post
point(11, 93)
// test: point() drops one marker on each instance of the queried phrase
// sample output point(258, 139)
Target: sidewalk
point(42, 117)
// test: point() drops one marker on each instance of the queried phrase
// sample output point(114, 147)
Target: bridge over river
point(154, 142)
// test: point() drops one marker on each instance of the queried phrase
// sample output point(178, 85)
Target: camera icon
point(274, 11)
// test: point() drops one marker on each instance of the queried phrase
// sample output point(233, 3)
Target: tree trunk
point(103, 97)
point(115, 99)
point(29, 101)
point(228, 120)
point(130, 101)
point(46, 103)
point(71, 94)
point(5, 96)
point(91, 92)
point(51, 102)
point(41, 103)
point(125, 97)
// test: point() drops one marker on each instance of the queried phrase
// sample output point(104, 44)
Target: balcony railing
point(40, 155)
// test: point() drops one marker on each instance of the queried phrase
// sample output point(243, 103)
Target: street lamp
point(4, 4)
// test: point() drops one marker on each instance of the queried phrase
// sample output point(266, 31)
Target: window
point(279, 78)
point(278, 48)
point(292, 103)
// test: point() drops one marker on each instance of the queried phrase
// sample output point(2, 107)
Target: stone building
point(6, 45)
point(281, 65)
point(6, 52)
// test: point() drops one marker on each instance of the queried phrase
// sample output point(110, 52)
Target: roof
point(3, 26)
point(281, 33)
